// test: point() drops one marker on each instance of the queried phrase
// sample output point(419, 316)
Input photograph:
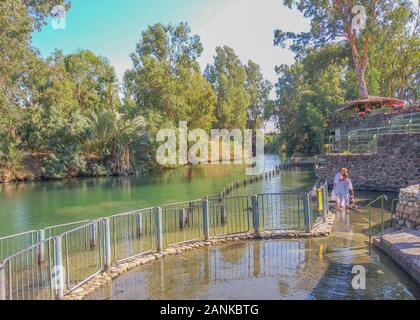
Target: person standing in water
point(343, 188)
point(336, 179)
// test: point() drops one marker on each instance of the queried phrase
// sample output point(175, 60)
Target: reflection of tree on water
point(180, 278)
point(235, 253)
point(300, 269)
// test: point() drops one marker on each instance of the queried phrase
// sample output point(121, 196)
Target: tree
point(165, 81)
point(95, 81)
point(228, 76)
point(333, 21)
point(113, 136)
point(19, 62)
point(307, 94)
point(259, 93)
point(395, 53)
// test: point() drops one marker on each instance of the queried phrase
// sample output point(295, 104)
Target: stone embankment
point(402, 242)
point(408, 208)
point(402, 246)
point(395, 165)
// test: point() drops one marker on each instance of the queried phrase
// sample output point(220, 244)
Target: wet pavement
point(272, 269)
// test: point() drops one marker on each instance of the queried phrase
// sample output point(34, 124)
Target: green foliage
point(259, 95)
point(228, 76)
point(272, 144)
point(391, 26)
point(324, 76)
point(67, 108)
point(99, 170)
point(306, 99)
point(54, 167)
point(165, 84)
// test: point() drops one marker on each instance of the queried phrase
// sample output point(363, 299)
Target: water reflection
point(34, 205)
point(272, 269)
point(262, 270)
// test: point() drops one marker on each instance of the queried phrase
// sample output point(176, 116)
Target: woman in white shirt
point(337, 177)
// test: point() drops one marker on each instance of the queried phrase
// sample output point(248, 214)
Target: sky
point(112, 28)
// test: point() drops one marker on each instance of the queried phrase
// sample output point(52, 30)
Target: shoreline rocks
point(408, 208)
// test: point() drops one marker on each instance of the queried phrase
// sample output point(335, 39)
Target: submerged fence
point(72, 254)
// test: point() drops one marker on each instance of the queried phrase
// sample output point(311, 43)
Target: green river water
point(28, 206)
point(272, 269)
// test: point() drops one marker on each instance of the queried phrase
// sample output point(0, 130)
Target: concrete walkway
point(403, 246)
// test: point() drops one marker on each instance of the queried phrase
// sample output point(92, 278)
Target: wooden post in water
point(223, 214)
point(182, 218)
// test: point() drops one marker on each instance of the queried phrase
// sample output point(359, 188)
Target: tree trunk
point(360, 74)
point(360, 63)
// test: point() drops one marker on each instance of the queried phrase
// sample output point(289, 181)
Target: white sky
point(248, 27)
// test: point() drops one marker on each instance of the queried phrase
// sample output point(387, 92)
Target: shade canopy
point(372, 100)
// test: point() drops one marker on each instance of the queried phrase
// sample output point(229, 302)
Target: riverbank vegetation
point(336, 63)
point(68, 115)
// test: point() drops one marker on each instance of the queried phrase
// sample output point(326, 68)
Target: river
point(272, 269)
point(35, 205)
point(303, 269)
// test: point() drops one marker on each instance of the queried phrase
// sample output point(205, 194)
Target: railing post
point(107, 243)
point(139, 226)
point(158, 221)
point(92, 235)
point(206, 218)
point(306, 212)
point(320, 199)
point(58, 275)
point(255, 215)
point(41, 251)
point(326, 205)
point(2, 282)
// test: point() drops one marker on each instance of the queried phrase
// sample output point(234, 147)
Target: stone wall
point(396, 164)
point(408, 208)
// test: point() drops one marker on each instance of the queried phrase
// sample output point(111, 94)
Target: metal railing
point(132, 234)
point(230, 215)
point(30, 273)
point(15, 243)
point(61, 228)
point(352, 143)
point(58, 265)
point(283, 211)
point(182, 222)
point(381, 200)
point(81, 253)
point(366, 140)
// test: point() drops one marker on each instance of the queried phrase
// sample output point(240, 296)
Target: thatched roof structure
point(372, 100)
